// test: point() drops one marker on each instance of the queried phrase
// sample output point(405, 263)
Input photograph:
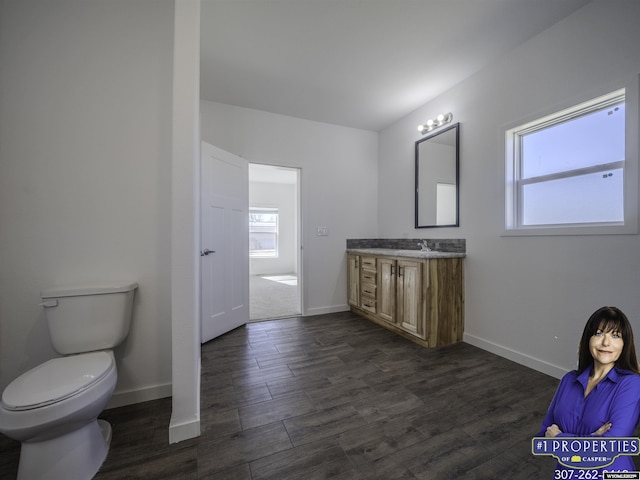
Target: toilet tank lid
point(79, 290)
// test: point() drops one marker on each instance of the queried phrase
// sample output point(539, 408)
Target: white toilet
point(53, 408)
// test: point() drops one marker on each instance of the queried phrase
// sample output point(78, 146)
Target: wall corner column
point(185, 224)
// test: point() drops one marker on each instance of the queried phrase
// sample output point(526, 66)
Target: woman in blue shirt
point(601, 397)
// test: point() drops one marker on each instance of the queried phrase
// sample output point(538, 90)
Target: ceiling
point(358, 63)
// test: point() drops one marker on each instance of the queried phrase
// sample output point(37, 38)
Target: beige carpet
point(273, 299)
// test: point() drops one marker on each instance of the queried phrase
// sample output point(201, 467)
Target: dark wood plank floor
point(335, 396)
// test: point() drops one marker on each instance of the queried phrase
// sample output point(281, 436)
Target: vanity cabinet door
point(387, 289)
point(409, 297)
point(353, 278)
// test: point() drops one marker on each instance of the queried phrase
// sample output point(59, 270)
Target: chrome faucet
point(424, 246)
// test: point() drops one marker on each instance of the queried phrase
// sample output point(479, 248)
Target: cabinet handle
point(400, 271)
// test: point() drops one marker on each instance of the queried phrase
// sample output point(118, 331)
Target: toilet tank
point(88, 318)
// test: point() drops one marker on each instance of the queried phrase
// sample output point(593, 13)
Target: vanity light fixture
point(440, 120)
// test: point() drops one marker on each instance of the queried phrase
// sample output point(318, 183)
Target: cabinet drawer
point(368, 289)
point(368, 263)
point(368, 277)
point(368, 304)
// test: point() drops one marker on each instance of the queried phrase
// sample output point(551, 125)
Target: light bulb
point(440, 119)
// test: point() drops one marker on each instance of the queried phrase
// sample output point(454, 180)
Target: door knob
point(207, 252)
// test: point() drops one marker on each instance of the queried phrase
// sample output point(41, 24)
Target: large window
point(568, 169)
point(263, 232)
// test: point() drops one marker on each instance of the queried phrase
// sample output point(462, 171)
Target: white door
point(224, 245)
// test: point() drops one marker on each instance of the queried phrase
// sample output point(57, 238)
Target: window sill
point(566, 230)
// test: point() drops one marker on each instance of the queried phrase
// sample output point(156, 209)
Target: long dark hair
point(609, 319)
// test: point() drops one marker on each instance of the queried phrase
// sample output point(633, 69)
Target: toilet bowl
point(53, 408)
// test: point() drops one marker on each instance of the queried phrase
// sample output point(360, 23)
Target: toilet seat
point(56, 380)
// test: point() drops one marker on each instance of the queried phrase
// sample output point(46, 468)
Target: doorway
point(274, 242)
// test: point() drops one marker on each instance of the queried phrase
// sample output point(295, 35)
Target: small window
point(567, 169)
point(263, 232)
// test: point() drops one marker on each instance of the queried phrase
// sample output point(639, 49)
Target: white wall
point(283, 197)
point(339, 180)
point(526, 297)
point(85, 173)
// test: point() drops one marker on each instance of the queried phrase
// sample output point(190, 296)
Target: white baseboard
point(322, 310)
point(515, 356)
point(120, 399)
point(183, 430)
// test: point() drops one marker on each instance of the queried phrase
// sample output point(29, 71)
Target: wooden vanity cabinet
point(421, 299)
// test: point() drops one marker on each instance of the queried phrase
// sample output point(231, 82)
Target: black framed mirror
point(438, 179)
